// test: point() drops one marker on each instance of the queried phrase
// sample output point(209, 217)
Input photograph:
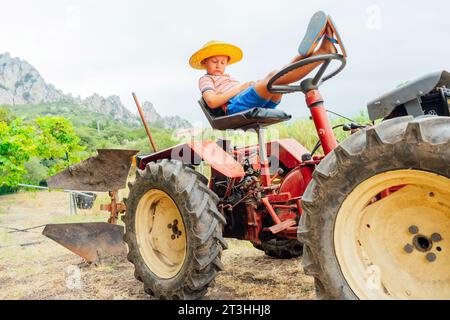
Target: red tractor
point(371, 216)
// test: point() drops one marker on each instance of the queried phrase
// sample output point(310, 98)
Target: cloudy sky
point(116, 47)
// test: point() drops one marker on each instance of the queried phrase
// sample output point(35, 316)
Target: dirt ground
point(34, 267)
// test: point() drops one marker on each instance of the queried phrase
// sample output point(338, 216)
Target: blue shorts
point(248, 99)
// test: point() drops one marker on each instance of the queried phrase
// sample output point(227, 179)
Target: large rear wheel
point(173, 231)
point(376, 217)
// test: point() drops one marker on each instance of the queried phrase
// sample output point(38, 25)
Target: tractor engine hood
point(384, 105)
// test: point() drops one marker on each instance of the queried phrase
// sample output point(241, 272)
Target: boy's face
point(216, 65)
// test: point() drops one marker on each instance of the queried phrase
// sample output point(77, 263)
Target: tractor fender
point(287, 152)
point(192, 153)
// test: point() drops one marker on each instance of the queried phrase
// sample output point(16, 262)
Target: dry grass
point(42, 271)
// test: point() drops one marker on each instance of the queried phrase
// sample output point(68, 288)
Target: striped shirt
point(218, 84)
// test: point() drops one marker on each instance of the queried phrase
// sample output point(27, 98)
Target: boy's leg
point(261, 89)
point(294, 76)
point(325, 48)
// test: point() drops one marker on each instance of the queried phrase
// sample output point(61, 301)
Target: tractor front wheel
point(174, 231)
point(376, 216)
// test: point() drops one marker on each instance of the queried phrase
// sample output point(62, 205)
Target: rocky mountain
point(150, 113)
point(152, 116)
point(110, 105)
point(22, 84)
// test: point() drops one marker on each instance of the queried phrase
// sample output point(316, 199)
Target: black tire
point(281, 248)
point(401, 143)
point(203, 224)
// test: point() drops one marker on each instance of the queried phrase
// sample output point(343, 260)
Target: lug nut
point(431, 257)
point(436, 237)
point(413, 229)
point(169, 226)
point(173, 237)
point(408, 248)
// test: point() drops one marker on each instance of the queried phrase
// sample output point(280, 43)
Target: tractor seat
point(245, 120)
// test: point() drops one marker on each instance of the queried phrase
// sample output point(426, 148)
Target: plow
point(370, 216)
point(106, 172)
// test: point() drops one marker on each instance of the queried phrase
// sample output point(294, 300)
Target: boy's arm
point(214, 100)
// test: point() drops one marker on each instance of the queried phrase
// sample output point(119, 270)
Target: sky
point(116, 47)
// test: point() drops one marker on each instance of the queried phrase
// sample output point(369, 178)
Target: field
point(34, 267)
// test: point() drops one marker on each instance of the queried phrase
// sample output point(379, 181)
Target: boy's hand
point(246, 85)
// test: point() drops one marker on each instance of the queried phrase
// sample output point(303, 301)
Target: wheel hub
point(174, 228)
point(395, 247)
point(161, 234)
point(423, 243)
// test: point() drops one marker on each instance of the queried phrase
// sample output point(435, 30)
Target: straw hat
point(215, 48)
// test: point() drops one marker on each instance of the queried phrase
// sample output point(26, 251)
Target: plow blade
point(105, 172)
point(91, 241)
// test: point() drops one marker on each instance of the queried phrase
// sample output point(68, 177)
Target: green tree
point(17, 145)
point(36, 171)
point(57, 141)
point(5, 115)
point(31, 151)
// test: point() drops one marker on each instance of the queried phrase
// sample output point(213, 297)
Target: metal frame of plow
point(106, 172)
point(93, 241)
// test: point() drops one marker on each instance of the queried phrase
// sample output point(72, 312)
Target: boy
point(222, 92)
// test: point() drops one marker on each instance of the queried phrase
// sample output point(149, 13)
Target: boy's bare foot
point(326, 47)
point(314, 31)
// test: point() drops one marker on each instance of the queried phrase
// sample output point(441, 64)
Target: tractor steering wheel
point(310, 83)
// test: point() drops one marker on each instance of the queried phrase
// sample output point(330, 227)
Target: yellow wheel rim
point(161, 234)
point(396, 247)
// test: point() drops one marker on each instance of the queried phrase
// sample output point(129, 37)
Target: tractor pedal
point(282, 226)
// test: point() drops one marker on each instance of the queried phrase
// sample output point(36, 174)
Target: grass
point(5, 239)
point(38, 272)
point(46, 207)
point(82, 217)
point(4, 201)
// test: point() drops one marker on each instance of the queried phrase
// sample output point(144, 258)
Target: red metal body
point(294, 183)
point(314, 101)
point(256, 196)
point(254, 224)
point(196, 151)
